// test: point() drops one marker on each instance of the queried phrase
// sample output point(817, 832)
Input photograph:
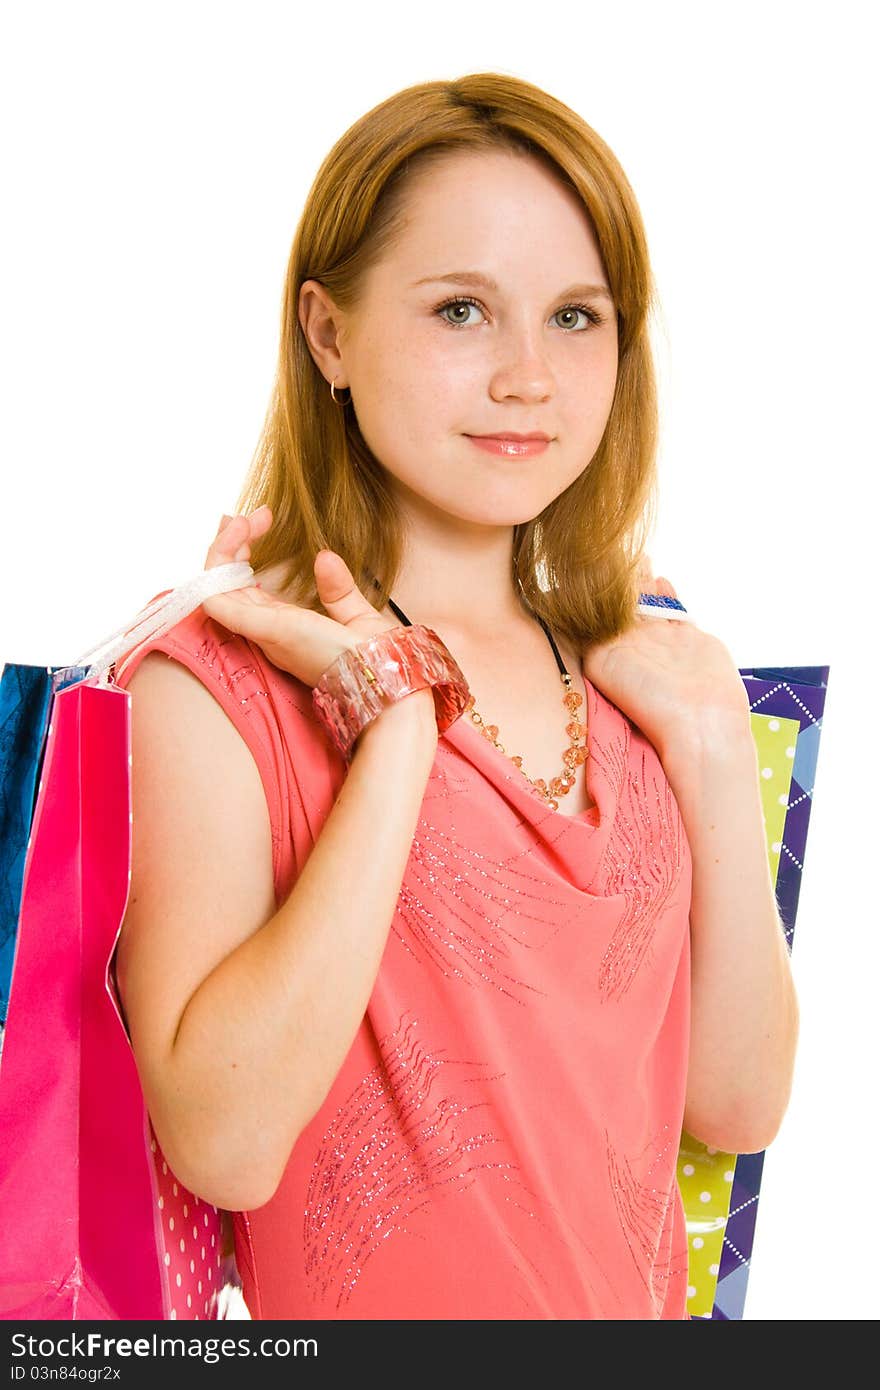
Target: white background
point(155, 161)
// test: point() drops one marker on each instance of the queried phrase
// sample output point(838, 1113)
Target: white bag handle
point(161, 615)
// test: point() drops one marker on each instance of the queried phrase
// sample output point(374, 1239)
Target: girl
point(450, 903)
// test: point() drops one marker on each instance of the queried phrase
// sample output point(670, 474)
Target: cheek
point(417, 387)
point(394, 367)
point(590, 392)
point(431, 361)
point(396, 400)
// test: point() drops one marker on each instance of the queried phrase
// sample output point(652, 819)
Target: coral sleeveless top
point(501, 1139)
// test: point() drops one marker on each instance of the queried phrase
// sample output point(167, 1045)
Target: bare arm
point(682, 689)
point(234, 1062)
point(744, 1013)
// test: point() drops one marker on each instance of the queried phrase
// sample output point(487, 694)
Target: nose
point(521, 367)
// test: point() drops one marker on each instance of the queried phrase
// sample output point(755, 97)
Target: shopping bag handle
point(161, 615)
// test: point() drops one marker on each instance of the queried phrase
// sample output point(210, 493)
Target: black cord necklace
point(573, 756)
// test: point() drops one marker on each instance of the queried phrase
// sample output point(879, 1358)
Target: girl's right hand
point(295, 639)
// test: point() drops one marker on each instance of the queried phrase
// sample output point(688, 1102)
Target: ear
point(320, 321)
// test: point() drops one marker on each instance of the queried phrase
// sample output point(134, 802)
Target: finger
point(259, 522)
point(337, 590)
point(250, 611)
point(225, 543)
point(665, 587)
point(235, 536)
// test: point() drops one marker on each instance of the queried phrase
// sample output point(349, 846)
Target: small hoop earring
point(335, 397)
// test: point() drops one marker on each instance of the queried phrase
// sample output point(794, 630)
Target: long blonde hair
point(576, 562)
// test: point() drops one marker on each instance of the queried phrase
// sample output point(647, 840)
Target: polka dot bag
point(190, 1235)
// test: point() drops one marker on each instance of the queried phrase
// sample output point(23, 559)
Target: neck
point(459, 579)
point(451, 606)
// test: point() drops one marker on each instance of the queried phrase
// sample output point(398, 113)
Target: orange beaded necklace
point(573, 756)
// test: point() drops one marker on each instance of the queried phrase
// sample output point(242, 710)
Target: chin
point(468, 501)
point(499, 516)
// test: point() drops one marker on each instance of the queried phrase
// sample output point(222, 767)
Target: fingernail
point(224, 520)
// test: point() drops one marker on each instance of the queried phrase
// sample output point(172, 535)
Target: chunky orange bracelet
point(364, 680)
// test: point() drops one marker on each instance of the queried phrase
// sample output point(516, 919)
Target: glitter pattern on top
point(644, 1194)
point(642, 863)
point(463, 911)
point(489, 1146)
point(403, 1134)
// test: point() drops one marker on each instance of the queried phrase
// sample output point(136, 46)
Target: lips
point(511, 445)
point(517, 438)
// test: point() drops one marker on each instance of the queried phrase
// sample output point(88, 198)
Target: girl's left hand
point(671, 679)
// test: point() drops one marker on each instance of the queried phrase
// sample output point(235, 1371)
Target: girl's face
point(436, 354)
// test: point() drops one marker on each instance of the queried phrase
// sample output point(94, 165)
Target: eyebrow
point(476, 278)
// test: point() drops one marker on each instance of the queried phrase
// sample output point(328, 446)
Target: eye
point(455, 304)
point(592, 315)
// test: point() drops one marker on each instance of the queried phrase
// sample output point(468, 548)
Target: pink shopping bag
point(93, 1224)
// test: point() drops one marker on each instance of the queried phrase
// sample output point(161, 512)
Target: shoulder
point(271, 710)
point(218, 700)
point(236, 671)
point(195, 638)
